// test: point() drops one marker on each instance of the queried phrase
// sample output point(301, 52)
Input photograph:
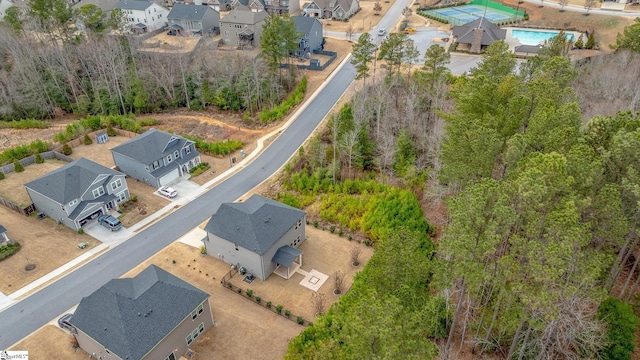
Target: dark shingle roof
point(304, 24)
point(133, 4)
point(129, 317)
point(188, 12)
point(70, 181)
point(151, 146)
point(491, 32)
point(2, 229)
point(255, 224)
point(286, 255)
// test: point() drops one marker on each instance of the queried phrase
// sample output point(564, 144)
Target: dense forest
point(539, 255)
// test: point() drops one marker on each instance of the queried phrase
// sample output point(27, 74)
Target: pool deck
point(513, 42)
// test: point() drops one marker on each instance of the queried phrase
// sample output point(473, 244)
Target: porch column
point(300, 260)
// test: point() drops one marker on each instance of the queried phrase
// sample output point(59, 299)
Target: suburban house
point(310, 29)
point(242, 26)
point(77, 192)
point(254, 5)
point(475, 36)
point(143, 16)
point(260, 234)
point(189, 19)
point(4, 238)
point(154, 315)
point(221, 5)
point(332, 9)
point(156, 157)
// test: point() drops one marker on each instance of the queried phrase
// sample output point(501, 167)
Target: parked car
point(63, 322)
point(168, 191)
point(382, 32)
point(110, 222)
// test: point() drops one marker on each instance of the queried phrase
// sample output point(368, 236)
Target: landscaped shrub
point(81, 231)
point(87, 140)
point(111, 131)
point(279, 309)
point(66, 149)
point(621, 327)
point(17, 166)
point(249, 293)
point(39, 159)
point(300, 320)
point(268, 304)
point(9, 249)
point(22, 151)
point(199, 169)
point(287, 313)
point(258, 299)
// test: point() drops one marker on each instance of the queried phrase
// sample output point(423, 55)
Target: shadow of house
point(260, 234)
point(477, 35)
point(154, 315)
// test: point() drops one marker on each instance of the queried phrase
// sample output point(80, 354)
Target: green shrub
point(239, 291)
point(111, 131)
point(278, 112)
point(621, 327)
point(218, 148)
point(279, 309)
point(9, 249)
point(199, 169)
point(80, 231)
point(1, 175)
point(300, 320)
point(23, 124)
point(287, 313)
point(66, 149)
point(17, 166)
point(87, 140)
point(249, 293)
point(268, 304)
point(258, 299)
point(22, 151)
point(39, 159)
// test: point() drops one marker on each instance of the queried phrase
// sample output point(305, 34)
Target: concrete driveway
point(106, 236)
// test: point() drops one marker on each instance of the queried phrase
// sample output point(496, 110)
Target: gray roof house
point(221, 5)
point(143, 16)
point(253, 5)
point(310, 29)
point(156, 157)
point(78, 192)
point(260, 234)
point(332, 9)
point(475, 36)
point(154, 315)
point(242, 26)
point(4, 238)
point(189, 19)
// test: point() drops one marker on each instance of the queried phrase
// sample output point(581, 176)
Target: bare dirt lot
point(363, 20)
point(44, 243)
point(244, 329)
point(12, 187)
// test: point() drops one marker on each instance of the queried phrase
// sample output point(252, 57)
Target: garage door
point(169, 177)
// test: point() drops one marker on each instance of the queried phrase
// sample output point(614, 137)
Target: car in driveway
point(382, 32)
point(110, 222)
point(168, 191)
point(63, 322)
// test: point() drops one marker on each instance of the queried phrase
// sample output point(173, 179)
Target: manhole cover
point(30, 267)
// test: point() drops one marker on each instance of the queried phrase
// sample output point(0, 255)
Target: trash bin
point(243, 271)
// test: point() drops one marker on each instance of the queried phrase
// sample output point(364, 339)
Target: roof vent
point(139, 314)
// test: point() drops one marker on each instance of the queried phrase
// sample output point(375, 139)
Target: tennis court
point(459, 15)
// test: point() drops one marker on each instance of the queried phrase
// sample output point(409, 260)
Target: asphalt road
point(26, 316)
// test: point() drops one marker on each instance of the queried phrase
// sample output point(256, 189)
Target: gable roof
point(188, 12)
point(131, 316)
point(243, 15)
point(325, 4)
point(151, 146)
point(490, 32)
point(70, 181)
point(304, 24)
point(255, 224)
point(133, 4)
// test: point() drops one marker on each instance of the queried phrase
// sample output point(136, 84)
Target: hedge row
point(279, 112)
point(96, 122)
point(24, 124)
point(218, 148)
point(22, 151)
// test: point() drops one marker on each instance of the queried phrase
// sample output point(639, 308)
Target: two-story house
point(78, 192)
point(310, 30)
point(260, 234)
point(189, 19)
point(156, 157)
point(152, 316)
point(278, 7)
point(254, 5)
point(242, 26)
point(332, 9)
point(143, 16)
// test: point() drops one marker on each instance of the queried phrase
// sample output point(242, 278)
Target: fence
point(31, 159)
point(316, 67)
point(229, 275)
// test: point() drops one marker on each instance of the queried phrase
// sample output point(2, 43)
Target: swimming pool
point(535, 37)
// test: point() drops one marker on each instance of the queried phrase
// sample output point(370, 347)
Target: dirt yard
point(167, 44)
point(363, 20)
point(244, 329)
point(44, 243)
point(12, 187)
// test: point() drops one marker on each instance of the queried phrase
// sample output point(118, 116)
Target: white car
point(168, 191)
point(382, 32)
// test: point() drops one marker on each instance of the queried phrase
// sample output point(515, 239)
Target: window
point(176, 154)
point(189, 339)
point(298, 224)
point(155, 165)
point(195, 333)
point(146, 167)
point(116, 184)
point(295, 242)
point(197, 311)
point(170, 357)
point(169, 158)
point(201, 327)
point(122, 196)
point(98, 192)
point(73, 202)
point(236, 246)
point(187, 149)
